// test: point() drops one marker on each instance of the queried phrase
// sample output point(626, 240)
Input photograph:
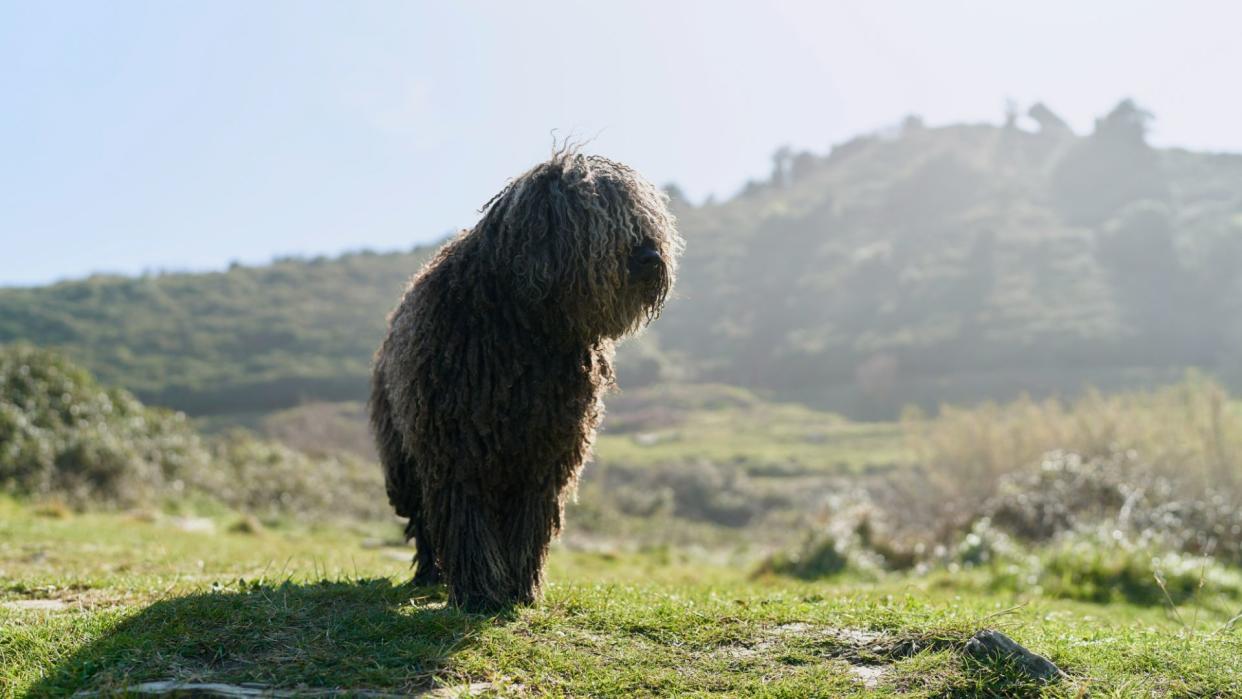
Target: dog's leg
point(533, 522)
point(426, 571)
point(469, 555)
point(402, 482)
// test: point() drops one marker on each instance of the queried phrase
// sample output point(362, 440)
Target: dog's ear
point(512, 234)
point(527, 240)
point(547, 230)
point(536, 268)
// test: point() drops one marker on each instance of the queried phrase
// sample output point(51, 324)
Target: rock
point(870, 675)
point(991, 645)
point(202, 525)
point(47, 605)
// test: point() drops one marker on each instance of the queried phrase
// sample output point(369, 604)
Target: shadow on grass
point(364, 634)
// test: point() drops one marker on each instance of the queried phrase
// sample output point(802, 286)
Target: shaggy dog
point(487, 390)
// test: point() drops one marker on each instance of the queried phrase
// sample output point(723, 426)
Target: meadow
point(107, 601)
point(720, 544)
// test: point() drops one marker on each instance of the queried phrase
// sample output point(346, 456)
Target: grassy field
point(767, 438)
point(104, 601)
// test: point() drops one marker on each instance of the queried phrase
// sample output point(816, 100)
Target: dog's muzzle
point(645, 264)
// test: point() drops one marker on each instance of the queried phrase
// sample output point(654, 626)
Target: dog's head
point(586, 238)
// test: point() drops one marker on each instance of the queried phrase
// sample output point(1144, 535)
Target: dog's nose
point(645, 263)
point(647, 258)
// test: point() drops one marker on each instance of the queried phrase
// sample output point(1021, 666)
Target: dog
point(487, 391)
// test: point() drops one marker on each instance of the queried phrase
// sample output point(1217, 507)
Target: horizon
point(139, 146)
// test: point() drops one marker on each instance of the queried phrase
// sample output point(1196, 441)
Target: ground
point(99, 601)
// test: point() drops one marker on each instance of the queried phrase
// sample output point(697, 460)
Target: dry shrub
point(1159, 472)
point(1068, 494)
point(1187, 432)
point(853, 538)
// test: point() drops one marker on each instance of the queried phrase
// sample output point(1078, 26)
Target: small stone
point(989, 644)
point(47, 605)
point(870, 675)
point(202, 525)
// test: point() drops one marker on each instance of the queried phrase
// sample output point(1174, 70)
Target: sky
point(145, 136)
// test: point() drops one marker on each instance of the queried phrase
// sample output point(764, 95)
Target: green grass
point(727, 425)
point(141, 600)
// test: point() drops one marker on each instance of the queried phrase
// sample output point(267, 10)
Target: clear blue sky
point(177, 135)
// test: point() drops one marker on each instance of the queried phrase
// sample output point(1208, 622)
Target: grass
point(727, 425)
point(104, 600)
point(136, 598)
point(1190, 431)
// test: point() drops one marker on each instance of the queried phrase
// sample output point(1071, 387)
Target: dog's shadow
point(355, 635)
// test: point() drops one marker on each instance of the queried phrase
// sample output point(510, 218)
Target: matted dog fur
point(486, 392)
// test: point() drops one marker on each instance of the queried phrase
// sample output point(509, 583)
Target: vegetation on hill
point(947, 265)
point(65, 438)
point(248, 339)
point(699, 465)
point(62, 434)
point(921, 265)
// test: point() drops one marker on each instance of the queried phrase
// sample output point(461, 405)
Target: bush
point(1070, 494)
point(819, 557)
point(63, 436)
point(1104, 568)
point(1064, 492)
point(1186, 431)
point(849, 540)
point(271, 480)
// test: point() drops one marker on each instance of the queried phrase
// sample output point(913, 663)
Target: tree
point(1110, 169)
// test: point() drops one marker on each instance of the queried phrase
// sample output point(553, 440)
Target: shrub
point(271, 480)
point(1104, 568)
point(1070, 494)
point(1065, 491)
point(63, 436)
point(818, 557)
point(1186, 431)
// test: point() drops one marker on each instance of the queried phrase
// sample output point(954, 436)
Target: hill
point(921, 265)
point(966, 262)
point(247, 339)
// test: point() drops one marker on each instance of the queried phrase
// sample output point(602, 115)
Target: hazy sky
point(185, 135)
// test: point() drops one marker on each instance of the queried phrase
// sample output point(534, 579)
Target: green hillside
point(920, 265)
point(249, 339)
point(963, 262)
